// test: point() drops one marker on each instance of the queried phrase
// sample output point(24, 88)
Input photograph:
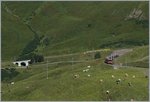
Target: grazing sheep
point(133, 76)
point(76, 76)
point(112, 76)
point(89, 75)
point(89, 66)
point(126, 75)
point(101, 80)
point(107, 92)
point(118, 81)
point(12, 83)
point(86, 70)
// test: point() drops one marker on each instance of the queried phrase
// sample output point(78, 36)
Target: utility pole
point(72, 83)
point(72, 62)
point(47, 69)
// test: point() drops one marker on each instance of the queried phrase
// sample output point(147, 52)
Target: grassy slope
point(138, 57)
point(76, 16)
point(62, 86)
point(52, 20)
point(15, 36)
point(66, 25)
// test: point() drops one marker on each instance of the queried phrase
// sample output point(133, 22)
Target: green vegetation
point(97, 55)
point(61, 84)
point(33, 57)
point(59, 37)
point(8, 74)
point(71, 27)
point(139, 57)
point(32, 84)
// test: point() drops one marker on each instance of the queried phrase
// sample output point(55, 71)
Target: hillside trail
point(86, 52)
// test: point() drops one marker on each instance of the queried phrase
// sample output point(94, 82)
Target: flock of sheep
point(117, 81)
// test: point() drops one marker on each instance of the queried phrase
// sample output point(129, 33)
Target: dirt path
point(120, 52)
point(66, 55)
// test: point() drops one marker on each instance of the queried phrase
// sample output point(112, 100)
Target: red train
point(109, 60)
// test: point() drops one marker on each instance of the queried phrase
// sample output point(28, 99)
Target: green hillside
point(67, 27)
point(68, 37)
point(138, 57)
point(32, 84)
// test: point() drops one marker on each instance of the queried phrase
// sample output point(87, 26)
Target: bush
point(33, 57)
point(97, 55)
point(8, 74)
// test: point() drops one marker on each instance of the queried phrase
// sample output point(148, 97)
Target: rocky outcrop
point(135, 14)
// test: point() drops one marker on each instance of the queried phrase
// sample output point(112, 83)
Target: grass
point(135, 57)
point(66, 26)
point(75, 27)
point(61, 85)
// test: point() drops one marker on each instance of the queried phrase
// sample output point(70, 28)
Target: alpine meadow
point(75, 50)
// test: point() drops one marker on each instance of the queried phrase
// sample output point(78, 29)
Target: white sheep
point(101, 80)
point(118, 81)
point(89, 75)
point(107, 92)
point(112, 76)
point(84, 70)
point(89, 66)
point(12, 83)
point(126, 75)
point(133, 76)
point(76, 76)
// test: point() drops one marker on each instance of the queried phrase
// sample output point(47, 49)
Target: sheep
point(126, 75)
point(112, 76)
point(86, 70)
point(133, 76)
point(118, 81)
point(88, 66)
point(101, 80)
point(76, 76)
point(89, 75)
point(107, 92)
point(12, 83)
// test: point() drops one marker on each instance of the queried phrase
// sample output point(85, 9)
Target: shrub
point(97, 55)
point(33, 57)
point(8, 74)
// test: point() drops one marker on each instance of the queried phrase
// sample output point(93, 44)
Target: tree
point(97, 55)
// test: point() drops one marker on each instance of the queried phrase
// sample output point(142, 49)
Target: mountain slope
point(73, 26)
